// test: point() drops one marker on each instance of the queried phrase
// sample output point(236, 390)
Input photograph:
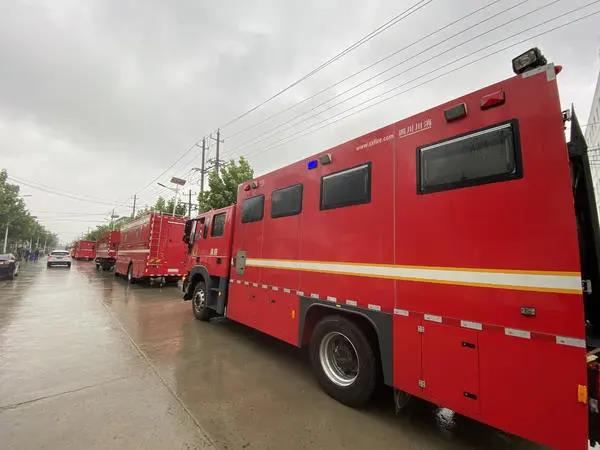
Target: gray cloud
point(98, 97)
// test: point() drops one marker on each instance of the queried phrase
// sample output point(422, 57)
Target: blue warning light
point(312, 164)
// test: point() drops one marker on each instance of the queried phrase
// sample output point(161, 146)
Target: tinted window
point(252, 209)
point(286, 201)
point(218, 225)
point(484, 156)
point(59, 253)
point(349, 187)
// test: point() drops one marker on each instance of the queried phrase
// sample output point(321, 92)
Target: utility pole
point(203, 165)
point(134, 200)
point(219, 141)
point(112, 218)
point(5, 237)
point(190, 204)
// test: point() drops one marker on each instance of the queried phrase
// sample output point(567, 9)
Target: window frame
point(294, 212)
point(262, 213)
point(517, 174)
point(368, 165)
point(212, 225)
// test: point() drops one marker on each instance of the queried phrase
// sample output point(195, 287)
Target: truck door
point(247, 292)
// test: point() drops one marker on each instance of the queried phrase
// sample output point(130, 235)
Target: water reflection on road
point(87, 361)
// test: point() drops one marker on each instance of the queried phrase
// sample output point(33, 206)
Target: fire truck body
point(84, 250)
point(444, 247)
point(152, 247)
point(107, 248)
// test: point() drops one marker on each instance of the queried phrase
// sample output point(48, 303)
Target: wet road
point(89, 362)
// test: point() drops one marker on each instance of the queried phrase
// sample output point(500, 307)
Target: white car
point(59, 258)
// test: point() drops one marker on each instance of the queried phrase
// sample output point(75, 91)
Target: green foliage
point(223, 186)
point(22, 226)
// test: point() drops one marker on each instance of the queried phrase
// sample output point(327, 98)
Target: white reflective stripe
point(286, 290)
point(331, 299)
point(254, 284)
point(573, 342)
point(517, 333)
point(471, 325)
point(125, 251)
point(172, 270)
point(569, 283)
point(351, 302)
point(300, 293)
point(246, 283)
point(264, 286)
point(231, 280)
point(374, 307)
point(275, 288)
point(239, 281)
point(433, 318)
point(313, 295)
point(400, 312)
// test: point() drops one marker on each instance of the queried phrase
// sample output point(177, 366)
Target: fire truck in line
point(84, 250)
point(453, 253)
point(107, 248)
point(151, 247)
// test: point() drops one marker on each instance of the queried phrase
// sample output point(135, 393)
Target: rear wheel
point(201, 310)
point(130, 278)
point(344, 360)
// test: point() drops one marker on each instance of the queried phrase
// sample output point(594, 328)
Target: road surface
point(87, 361)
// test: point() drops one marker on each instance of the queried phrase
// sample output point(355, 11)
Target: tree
point(23, 228)
point(223, 186)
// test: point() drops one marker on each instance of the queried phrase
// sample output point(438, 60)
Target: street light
point(177, 182)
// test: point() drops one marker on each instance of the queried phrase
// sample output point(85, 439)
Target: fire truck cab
point(453, 254)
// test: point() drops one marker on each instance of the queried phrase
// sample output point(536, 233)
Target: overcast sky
point(97, 98)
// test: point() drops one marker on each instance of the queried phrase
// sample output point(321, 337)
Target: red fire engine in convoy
point(445, 252)
point(84, 250)
point(106, 250)
point(152, 247)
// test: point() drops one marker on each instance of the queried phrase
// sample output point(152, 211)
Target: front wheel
point(344, 360)
point(199, 306)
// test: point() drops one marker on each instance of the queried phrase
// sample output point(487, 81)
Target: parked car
point(59, 258)
point(9, 266)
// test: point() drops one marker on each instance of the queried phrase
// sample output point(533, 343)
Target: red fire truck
point(453, 253)
point(107, 248)
point(84, 250)
point(152, 247)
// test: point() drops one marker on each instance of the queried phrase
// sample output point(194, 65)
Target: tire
point(201, 311)
point(97, 266)
point(12, 275)
point(335, 341)
point(48, 265)
point(130, 278)
point(69, 266)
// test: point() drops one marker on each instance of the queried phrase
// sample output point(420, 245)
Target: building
point(592, 137)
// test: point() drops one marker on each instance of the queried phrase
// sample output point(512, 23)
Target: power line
point(337, 83)
point(304, 132)
point(54, 191)
point(419, 64)
point(390, 23)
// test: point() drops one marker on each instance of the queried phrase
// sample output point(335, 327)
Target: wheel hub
point(339, 359)
point(199, 300)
